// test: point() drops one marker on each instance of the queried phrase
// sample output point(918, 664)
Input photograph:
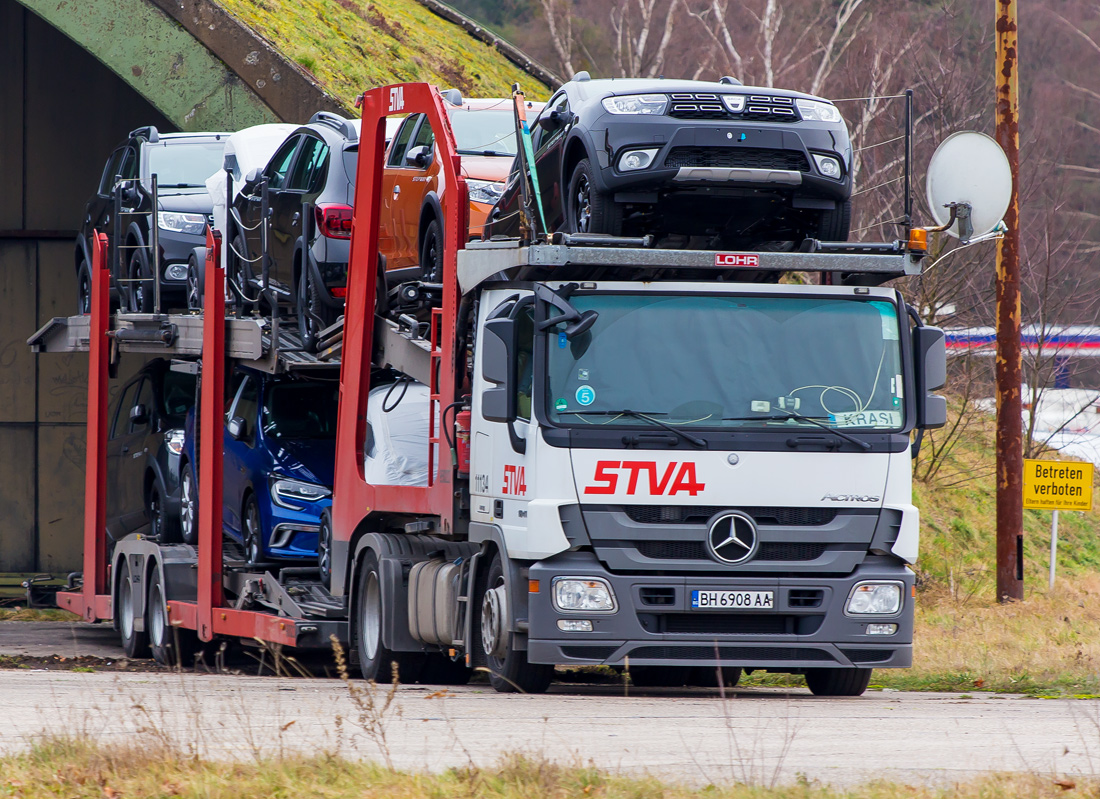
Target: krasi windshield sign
point(636, 477)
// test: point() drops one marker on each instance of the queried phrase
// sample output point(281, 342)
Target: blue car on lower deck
point(280, 445)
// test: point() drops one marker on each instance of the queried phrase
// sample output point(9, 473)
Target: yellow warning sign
point(1058, 485)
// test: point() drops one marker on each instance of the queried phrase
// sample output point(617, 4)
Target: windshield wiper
point(699, 442)
point(484, 152)
point(799, 417)
point(181, 185)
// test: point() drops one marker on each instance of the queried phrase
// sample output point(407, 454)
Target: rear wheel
point(313, 314)
point(431, 253)
point(376, 662)
point(140, 289)
point(838, 682)
point(189, 504)
point(588, 210)
point(509, 671)
point(251, 530)
point(134, 643)
point(171, 645)
point(835, 225)
point(84, 287)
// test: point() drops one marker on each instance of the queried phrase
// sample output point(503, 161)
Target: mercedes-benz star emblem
point(732, 538)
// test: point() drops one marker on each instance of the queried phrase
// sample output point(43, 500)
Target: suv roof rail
point(730, 81)
point(581, 76)
point(452, 96)
point(336, 121)
point(149, 133)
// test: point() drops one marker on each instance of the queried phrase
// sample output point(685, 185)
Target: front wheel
point(835, 224)
point(195, 283)
point(252, 532)
point(838, 682)
point(141, 292)
point(431, 253)
point(84, 287)
point(162, 527)
point(189, 505)
point(324, 549)
point(588, 210)
point(376, 662)
point(313, 314)
point(509, 671)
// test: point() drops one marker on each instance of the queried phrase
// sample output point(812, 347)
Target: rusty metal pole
point(1010, 450)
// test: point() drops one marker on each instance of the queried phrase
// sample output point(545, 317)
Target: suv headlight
point(174, 439)
point(816, 111)
point(636, 104)
point(181, 223)
point(290, 494)
point(586, 594)
point(880, 599)
point(484, 191)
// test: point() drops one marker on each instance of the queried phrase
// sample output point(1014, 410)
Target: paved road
point(46, 638)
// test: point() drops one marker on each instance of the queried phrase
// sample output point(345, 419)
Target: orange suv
point(411, 229)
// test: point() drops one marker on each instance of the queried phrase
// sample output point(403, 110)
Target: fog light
point(827, 165)
point(876, 629)
point(636, 159)
point(583, 594)
point(176, 272)
point(875, 598)
point(575, 625)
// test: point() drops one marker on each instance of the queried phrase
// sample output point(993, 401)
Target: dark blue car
point(280, 448)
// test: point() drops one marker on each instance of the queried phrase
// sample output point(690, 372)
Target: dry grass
point(78, 769)
point(37, 614)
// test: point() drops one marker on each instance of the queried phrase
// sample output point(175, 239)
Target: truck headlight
point(880, 599)
point(636, 104)
point(633, 160)
point(816, 111)
point(484, 191)
point(583, 594)
point(291, 493)
point(181, 223)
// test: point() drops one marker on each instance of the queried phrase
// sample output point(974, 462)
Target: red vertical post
point(95, 479)
point(211, 439)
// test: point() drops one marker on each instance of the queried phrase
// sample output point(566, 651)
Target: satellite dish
point(969, 167)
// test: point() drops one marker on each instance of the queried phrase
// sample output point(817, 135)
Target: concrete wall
point(62, 113)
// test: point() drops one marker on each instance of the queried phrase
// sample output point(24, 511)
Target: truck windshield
point(708, 361)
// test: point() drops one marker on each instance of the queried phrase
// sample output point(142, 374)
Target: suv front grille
point(758, 107)
point(737, 158)
point(701, 514)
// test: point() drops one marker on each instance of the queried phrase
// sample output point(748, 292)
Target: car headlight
point(181, 223)
point(734, 102)
point(816, 111)
point(291, 493)
point(882, 599)
point(583, 594)
point(174, 439)
point(484, 191)
point(828, 166)
point(633, 160)
point(636, 104)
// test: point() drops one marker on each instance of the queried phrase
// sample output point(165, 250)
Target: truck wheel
point(189, 505)
point(838, 682)
point(84, 287)
point(431, 253)
point(834, 225)
point(375, 660)
point(252, 532)
point(660, 676)
point(171, 645)
point(441, 670)
point(707, 676)
point(134, 643)
point(141, 292)
point(509, 671)
point(588, 210)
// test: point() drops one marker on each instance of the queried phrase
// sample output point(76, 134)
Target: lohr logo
point(849, 498)
point(397, 98)
point(515, 481)
point(735, 259)
point(676, 478)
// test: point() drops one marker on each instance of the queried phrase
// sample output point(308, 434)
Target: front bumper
point(655, 625)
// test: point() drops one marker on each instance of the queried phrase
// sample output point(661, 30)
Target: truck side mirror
point(498, 366)
point(930, 354)
point(237, 427)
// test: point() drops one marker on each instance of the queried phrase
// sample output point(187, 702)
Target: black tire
point(134, 643)
point(189, 506)
point(837, 681)
point(195, 284)
point(313, 313)
point(441, 670)
point(510, 673)
point(375, 660)
point(431, 253)
point(240, 270)
point(84, 287)
point(589, 210)
point(835, 225)
point(162, 527)
point(171, 645)
point(324, 549)
point(660, 676)
point(707, 676)
point(252, 531)
point(140, 292)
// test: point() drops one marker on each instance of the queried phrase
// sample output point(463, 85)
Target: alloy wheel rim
point(584, 205)
point(186, 511)
point(85, 294)
point(253, 540)
point(154, 515)
point(323, 551)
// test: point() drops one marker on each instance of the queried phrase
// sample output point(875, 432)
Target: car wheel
point(253, 535)
point(240, 270)
point(324, 550)
point(838, 682)
point(189, 505)
point(313, 316)
point(84, 287)
point(835, 224)
point(141, 292)
point(171, 644)
point(588, 209)
point(376, 662)
point(509, 671)
point(134, 643)
point(162, 528)
point(431, 253)
point(194, 285)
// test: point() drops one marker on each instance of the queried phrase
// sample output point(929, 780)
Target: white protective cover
point(398, 445)
point(252, 148)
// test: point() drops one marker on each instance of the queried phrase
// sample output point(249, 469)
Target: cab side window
point(525, 356)
point(401, 141)
point(279, 164)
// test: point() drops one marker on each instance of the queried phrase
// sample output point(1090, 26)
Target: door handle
point(124, 450)
point(294, 220)
point(396, 191)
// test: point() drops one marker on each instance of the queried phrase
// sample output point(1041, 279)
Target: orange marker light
point(918, 239)
point(532, 586)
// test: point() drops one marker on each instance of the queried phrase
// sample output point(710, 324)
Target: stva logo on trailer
point(397, 98)
point(673, 479)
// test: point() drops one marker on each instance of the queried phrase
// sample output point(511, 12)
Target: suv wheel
point(253, 536)
point(313, 316)
point(240, 270)
point(140, 290)
point(194, 284)
point(162, 527)
point(84, 287)
point(431, 253)
point(588, 209)
point(834, 225)
point(189, 503)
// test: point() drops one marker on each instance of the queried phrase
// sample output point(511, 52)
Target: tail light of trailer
point(333, 221)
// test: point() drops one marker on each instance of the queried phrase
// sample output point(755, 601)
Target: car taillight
point(333, 221)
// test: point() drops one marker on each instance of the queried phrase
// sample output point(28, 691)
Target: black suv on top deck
point(181, 162)
point(739, 165)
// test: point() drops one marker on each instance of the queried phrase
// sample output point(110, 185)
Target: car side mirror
point(930, 356)
point(251, 181)
point(130, 195)
point(498, 366)
point(550, 122)
point(237, 428)
point(139, 414)
point(418, 157)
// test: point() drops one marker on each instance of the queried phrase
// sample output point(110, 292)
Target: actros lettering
point(397, 98)
point(675, 478)
point(515, 481)
point(849, 498)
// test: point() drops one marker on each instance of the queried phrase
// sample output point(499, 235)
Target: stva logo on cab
point(675, 478)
